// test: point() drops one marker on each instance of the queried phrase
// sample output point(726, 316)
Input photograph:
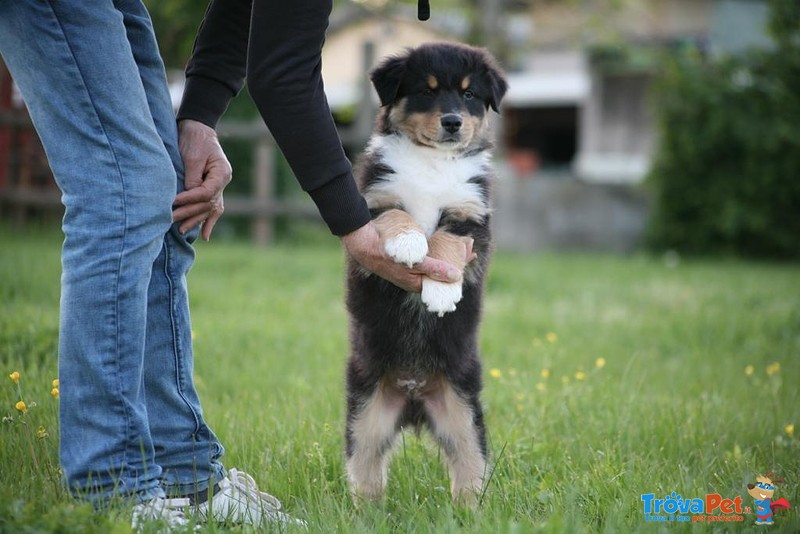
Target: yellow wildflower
point(545, 373)
point(773, 368)
point(495, 373)
point(21, 406)
point(580, 375)
point(749, 370)
point(41, 433)
point(600, 363)
point(14, 377)
point(520, 407)
point(520, 396)
point(565, 380)
point(54, 392)
point(540, 386)
point(551, 337)
point(56, 383)
point(789, 430)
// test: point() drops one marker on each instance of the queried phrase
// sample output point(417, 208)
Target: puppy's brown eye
point(468, 95)
point(428, 92)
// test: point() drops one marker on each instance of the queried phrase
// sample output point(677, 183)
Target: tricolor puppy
point(426, 176)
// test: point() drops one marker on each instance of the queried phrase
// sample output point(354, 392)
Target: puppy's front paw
point(440, 297)
point(407, 247)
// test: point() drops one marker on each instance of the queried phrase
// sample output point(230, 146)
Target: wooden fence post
point(263, 189)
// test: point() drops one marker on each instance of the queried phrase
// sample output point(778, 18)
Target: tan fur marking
point(394, 222)
point(433, 83)
point(422, 128)
point(465, 83)
point(368, 467)
point(448, 247)
point(453, 426)
point(378, 199)
point(475, 211)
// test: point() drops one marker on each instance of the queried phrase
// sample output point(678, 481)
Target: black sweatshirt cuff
point(204, 100)
point(341, 205)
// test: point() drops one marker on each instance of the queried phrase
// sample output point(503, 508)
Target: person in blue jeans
point(131, 423)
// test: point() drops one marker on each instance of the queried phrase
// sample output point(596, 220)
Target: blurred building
point(579, 89)
point(578, 129)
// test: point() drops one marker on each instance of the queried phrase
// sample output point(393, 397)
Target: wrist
point(185, 125)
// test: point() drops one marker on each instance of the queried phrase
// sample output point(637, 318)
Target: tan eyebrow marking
point(433, 83)
point(465, 83)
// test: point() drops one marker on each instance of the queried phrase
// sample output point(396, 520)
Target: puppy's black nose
point(451, 122)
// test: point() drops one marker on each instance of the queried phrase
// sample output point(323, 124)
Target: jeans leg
point(73, 63)
point(185, 448)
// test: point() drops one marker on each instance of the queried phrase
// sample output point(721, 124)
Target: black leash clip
point(423, 9)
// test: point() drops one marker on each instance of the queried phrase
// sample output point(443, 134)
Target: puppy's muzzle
point(451, 122)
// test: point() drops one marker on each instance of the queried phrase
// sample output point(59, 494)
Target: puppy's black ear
point(387, 77)
point(497, 85)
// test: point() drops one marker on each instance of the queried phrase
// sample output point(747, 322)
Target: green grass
point(673, 409)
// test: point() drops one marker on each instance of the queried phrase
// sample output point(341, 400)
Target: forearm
point(284, 78)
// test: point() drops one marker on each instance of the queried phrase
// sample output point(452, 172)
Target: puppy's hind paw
point(440, 297)
point(408, 248)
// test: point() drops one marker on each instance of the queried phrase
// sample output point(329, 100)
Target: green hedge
point(727, 169)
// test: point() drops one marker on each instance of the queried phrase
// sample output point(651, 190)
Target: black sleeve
point(283, 70)
point(216, 71)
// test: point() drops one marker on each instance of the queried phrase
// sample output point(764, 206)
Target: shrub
point(727, 169)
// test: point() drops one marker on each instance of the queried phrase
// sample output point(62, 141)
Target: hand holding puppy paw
point(368, 250)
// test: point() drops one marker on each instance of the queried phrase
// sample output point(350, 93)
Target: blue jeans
point(92, 77)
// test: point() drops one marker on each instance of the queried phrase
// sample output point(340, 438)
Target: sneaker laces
point(240, 501)
point(170, 511)
point(247, 485)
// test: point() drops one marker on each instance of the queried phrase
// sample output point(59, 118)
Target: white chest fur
point(427, 181)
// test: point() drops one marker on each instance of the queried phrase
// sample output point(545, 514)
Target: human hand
point(207, 172)
point(366, 247)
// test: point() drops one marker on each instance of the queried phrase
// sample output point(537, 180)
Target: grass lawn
point(606, 378)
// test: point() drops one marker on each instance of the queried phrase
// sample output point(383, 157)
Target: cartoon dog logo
point(762, 493)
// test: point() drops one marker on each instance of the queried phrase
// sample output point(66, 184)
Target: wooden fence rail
point(20, 192)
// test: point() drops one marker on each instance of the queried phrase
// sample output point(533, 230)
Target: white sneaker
point(239, 501)
point(170, 512)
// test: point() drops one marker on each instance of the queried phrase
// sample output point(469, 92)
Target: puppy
point(426, 175)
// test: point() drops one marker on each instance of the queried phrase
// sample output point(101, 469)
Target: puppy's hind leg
point(372, 425)
point(457, 424)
